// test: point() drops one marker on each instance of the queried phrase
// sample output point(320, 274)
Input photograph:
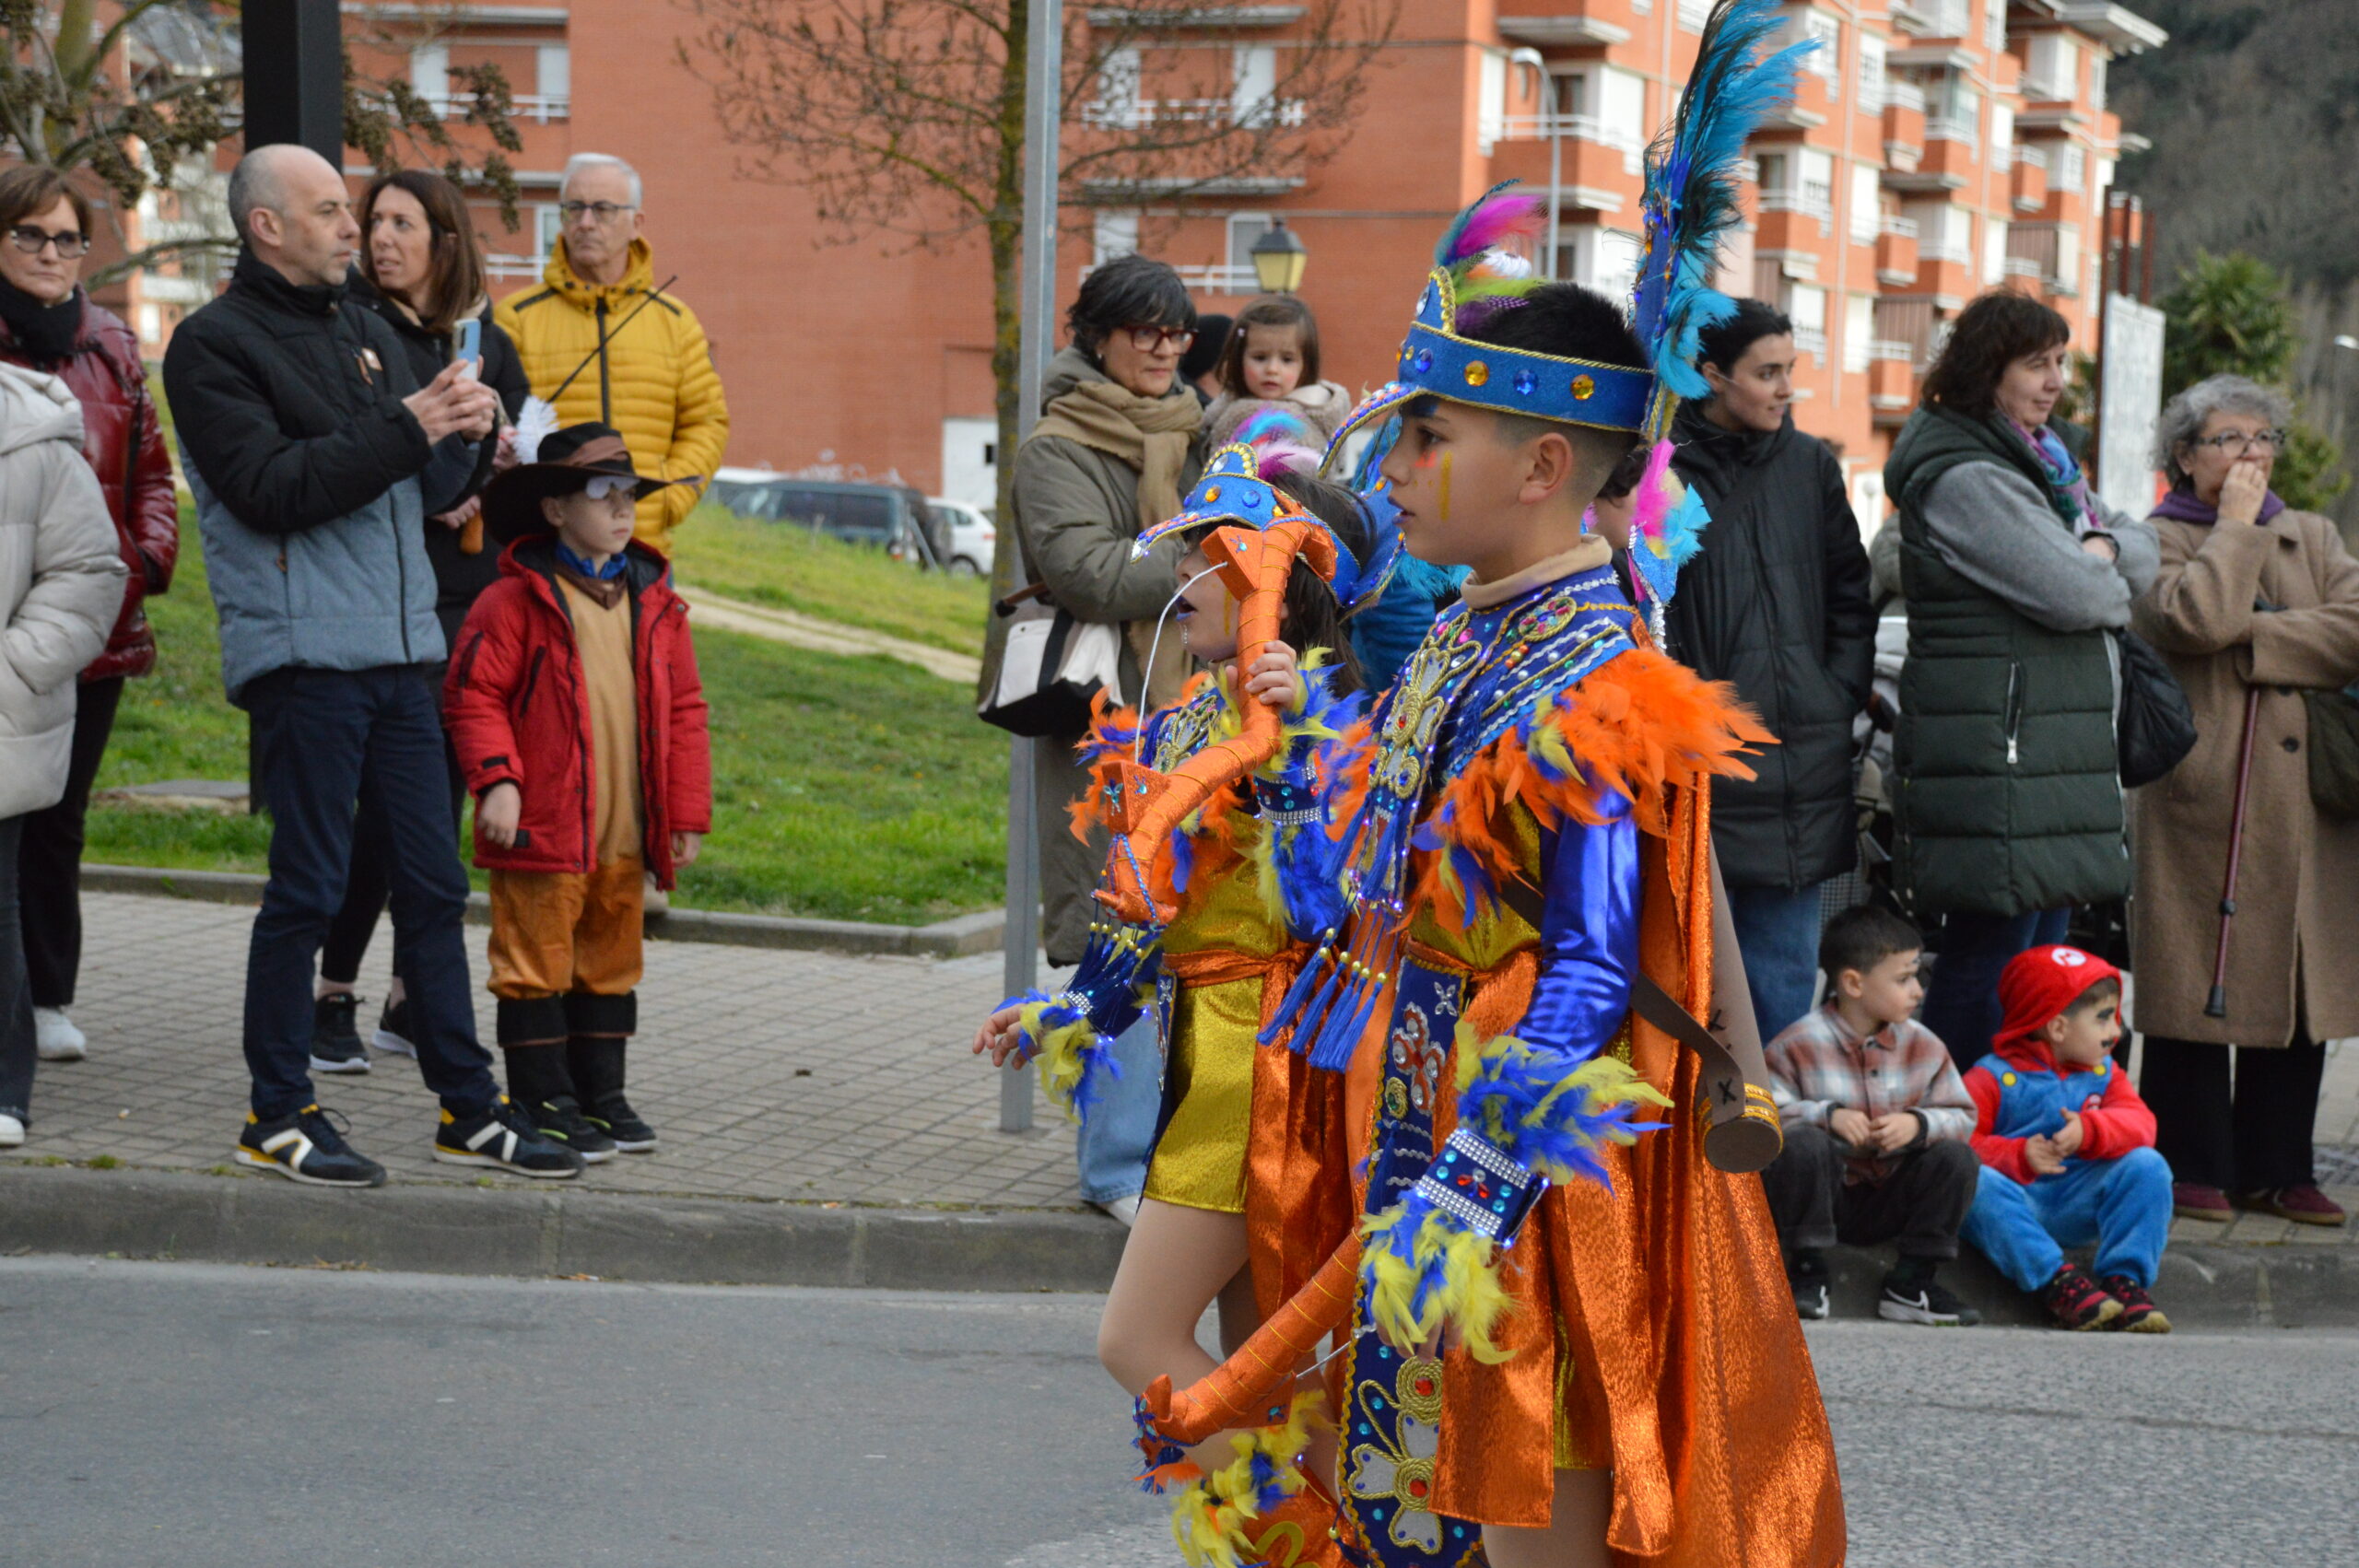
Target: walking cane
point(2217, 1005)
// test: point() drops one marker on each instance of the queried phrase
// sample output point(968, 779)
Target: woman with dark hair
point(2258, 611)
point(1112, 454)
point(48, 322)
point(2009, 808)
point(420, 268)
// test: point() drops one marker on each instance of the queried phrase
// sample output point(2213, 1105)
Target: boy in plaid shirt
point(1876, 1123)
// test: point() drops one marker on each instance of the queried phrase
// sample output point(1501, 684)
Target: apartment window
point(1806, 303)
point(1491, 99)
point(547, 224)
point(1953, 109)
point(553, 71)
point(2097, 64)
point(2052, 68)
point(1944, 233)
point(1256, 93)
point(1815, 182)
point(1872, 56)
point(1603, 259)
point(1113, 232)
point(1622, 107)
point(1994, 25)
point(1774, 173)
point(1826, 60)
point(429, 70)
point(2070, 169)
point(1117, 90)
point(2002, 128)
point(1994, 252)
point(1859, 331)
point(1693, 14)
point(1866, 214)
point(1244, 228)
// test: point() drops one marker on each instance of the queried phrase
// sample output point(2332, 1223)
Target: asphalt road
point(190, 1415)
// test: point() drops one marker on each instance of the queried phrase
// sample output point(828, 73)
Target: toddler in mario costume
point(574, 705)
point(2068, 1148)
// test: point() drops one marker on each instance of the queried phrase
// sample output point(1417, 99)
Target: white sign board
point(2132, 376)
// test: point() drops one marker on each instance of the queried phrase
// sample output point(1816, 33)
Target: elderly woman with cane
point(2257, 608)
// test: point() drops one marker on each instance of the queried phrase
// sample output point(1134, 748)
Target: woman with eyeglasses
point(2257, 603)
point(49, 322)
point(1113, 452)
point(2008, 810)
point(421, 269)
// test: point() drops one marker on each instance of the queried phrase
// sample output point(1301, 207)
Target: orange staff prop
point(1253, 565)
point(1240, 1391)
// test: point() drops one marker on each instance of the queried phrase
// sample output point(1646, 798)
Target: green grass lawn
point(794, 568)
point(854, 789)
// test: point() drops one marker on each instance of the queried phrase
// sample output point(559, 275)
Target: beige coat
point(2297, 894)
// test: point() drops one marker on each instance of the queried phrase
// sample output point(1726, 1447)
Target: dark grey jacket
point(1777, 605)
point(312, 480)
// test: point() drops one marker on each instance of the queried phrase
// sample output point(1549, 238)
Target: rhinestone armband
point(1480, 1187)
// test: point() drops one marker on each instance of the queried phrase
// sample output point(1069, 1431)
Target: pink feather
point(1502, 217)
point(1654, 498)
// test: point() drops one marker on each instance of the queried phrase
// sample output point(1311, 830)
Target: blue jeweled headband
point(1231, 493)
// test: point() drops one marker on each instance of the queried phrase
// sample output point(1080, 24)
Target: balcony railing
point(504, 267)
point(1900, 94)
point(1811, 341)
point(1219, 280)
point(2019, 266)
point(1810, 200)
point(1891, 348)
point(1943, 250)
point(1144, 113)
point(1898, 228)
point(535, 108)
point(1941, 128)
point(2031, 156)
point(1579, 127)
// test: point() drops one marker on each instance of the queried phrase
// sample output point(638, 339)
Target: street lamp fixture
point(1279, 258)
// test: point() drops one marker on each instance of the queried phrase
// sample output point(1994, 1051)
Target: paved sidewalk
point(803, 1076)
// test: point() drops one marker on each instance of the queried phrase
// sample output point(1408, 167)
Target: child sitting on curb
point(576, 711)
point(1876, 1123)
point(2068, 1148)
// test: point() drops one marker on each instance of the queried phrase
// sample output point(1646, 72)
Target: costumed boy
point(574, 706)
point(2068, 1148)
point(1240, 1203)
point(1529, 856)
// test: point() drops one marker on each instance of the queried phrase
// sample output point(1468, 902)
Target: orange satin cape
point(1652, 1332)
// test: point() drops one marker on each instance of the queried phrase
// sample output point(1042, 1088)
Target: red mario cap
point(2042, 983)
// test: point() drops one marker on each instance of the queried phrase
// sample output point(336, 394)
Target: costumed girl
point(1566, 1340)
point(1241, 1203)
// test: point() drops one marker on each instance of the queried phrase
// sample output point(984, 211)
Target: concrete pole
point(1043, 114)
point(294, 74)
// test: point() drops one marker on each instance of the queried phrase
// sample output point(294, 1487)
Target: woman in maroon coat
point(48, 323)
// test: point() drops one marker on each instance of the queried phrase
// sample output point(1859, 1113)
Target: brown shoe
point(2302, 1204)
point(2193, 1201)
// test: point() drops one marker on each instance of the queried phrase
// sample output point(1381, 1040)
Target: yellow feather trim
point(1208, 1517)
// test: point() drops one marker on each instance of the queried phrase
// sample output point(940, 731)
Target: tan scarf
point(1150, 434)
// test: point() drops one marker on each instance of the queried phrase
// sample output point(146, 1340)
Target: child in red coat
point(574, 706)
point(2068, 1147)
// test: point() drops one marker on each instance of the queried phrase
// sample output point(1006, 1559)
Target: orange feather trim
point(1212, 836)
point(1641, 724)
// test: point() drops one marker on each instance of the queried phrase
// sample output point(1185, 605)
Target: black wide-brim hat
point(567, 462)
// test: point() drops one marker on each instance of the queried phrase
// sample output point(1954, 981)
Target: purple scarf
point(2181, 506)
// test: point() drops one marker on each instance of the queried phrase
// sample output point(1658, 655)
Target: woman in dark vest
point(2008, 806)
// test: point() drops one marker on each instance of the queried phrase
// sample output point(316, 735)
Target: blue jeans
point(1776, 931)
point(2122, 1205)
point(322, 738)
point(1117, 1134)
point(1962, 1000)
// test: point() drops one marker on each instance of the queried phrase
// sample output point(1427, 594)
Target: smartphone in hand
point(470, 351)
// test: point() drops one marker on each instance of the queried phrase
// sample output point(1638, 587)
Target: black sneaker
point(560, 1121)
point(335, 1040)
point(1807, 1275)
point(393, 1030)
point(503, 1136)
point(614, 1117)
point(1923, 1299)
point(308, 1147)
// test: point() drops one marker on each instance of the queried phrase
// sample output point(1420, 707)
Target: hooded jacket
point(312, 480)
point(124, 439)
point(61, 583)
point(651, 375)
point(518, 714)
point(1778, 604)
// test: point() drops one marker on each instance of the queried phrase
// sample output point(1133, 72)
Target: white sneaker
point(12, 1132)
point(653, 900)
point(1124, 1209)
point(57, 1039)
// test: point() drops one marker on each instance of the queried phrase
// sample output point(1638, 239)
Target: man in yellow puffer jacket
point(648, 372)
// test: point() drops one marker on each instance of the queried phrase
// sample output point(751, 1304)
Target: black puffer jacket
point(1778, 604)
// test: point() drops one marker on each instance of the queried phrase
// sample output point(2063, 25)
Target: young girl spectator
point(1273, 358)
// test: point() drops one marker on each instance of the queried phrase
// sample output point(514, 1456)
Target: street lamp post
point(1279, 258)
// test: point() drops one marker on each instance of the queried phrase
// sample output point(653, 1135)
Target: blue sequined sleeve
point(1588, 934)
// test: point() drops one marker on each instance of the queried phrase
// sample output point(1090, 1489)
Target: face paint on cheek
point(1445, 487)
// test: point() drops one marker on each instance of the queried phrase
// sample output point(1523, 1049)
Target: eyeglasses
point(1148, 340)
point(2235, 443)
point(605, 485)
point(605, 212)
point(25, 236)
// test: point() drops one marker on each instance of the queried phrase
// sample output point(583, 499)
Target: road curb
point(537, 1231)
point(956, 938)
point(540, 1232)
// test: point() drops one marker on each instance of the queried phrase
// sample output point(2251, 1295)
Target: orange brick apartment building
point(1936, 148)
